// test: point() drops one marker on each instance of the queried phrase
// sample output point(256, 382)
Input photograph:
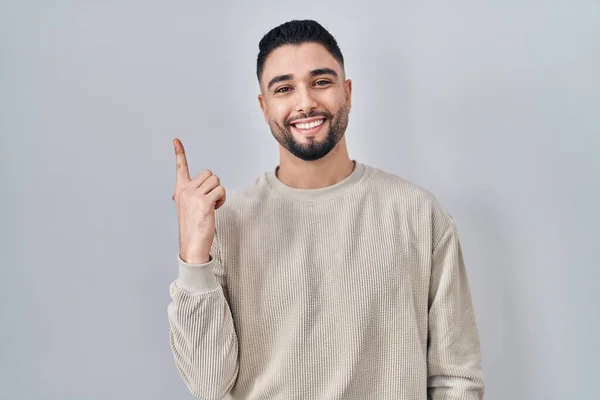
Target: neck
point(327, 171)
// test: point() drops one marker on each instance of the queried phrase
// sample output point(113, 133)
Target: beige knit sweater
point(353, 291)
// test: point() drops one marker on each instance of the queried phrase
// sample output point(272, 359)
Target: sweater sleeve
point(453, 352)
point(201, 334)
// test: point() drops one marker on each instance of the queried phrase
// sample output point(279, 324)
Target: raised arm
point(201, 329)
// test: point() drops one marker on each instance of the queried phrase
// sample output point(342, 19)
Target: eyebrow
point(313, 73)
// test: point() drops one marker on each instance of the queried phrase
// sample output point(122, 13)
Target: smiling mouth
point(309, 128)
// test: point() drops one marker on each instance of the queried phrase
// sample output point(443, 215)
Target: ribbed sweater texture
point(358, 290)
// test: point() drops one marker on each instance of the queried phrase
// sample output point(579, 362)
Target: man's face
point(305, 99)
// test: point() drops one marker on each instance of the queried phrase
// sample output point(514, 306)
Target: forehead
point(298, 60)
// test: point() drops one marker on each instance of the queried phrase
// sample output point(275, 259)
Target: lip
point(312, 131)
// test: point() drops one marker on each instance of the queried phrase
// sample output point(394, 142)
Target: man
point(324, 278)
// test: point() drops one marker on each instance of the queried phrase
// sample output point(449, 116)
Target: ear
point(348, 92)
point(263, 106)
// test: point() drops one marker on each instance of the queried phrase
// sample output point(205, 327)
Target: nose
point(306, 101)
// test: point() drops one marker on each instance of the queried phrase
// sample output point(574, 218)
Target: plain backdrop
point(492, 106)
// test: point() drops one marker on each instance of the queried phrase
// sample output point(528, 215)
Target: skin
point(196, 201)
point(303, 95)
point(305, 161)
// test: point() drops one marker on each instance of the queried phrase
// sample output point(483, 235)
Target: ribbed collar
point(316, 194)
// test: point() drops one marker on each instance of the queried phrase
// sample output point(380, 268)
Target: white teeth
point(310, 125)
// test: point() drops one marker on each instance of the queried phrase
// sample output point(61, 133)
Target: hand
point(196, 201)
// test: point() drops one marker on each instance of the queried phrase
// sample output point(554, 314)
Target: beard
point(313, 149)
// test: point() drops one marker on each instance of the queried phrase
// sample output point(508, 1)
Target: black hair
point(296, 32)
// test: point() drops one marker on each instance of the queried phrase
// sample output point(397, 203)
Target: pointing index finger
point(183, 173)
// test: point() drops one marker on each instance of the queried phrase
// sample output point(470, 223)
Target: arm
point(453, 355)
point(202, 334)
point(201, 328)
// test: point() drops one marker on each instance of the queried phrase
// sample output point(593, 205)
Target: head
point(305, 96)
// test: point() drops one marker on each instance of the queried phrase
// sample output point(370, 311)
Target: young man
point(325, 278)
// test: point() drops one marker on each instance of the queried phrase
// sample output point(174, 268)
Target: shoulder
point(245, 200)
point(382, 179)
point(411, 199)
point(396, 188)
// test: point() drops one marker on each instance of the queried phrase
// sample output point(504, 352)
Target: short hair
point(296, 32)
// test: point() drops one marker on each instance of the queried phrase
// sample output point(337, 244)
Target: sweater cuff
point(196, 278)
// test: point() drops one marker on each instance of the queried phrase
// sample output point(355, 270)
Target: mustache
point(313, 114)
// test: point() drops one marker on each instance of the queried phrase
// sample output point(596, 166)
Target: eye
point(322, 82)
point(282, 89)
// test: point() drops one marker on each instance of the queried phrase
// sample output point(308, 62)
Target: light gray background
point(493, 107)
